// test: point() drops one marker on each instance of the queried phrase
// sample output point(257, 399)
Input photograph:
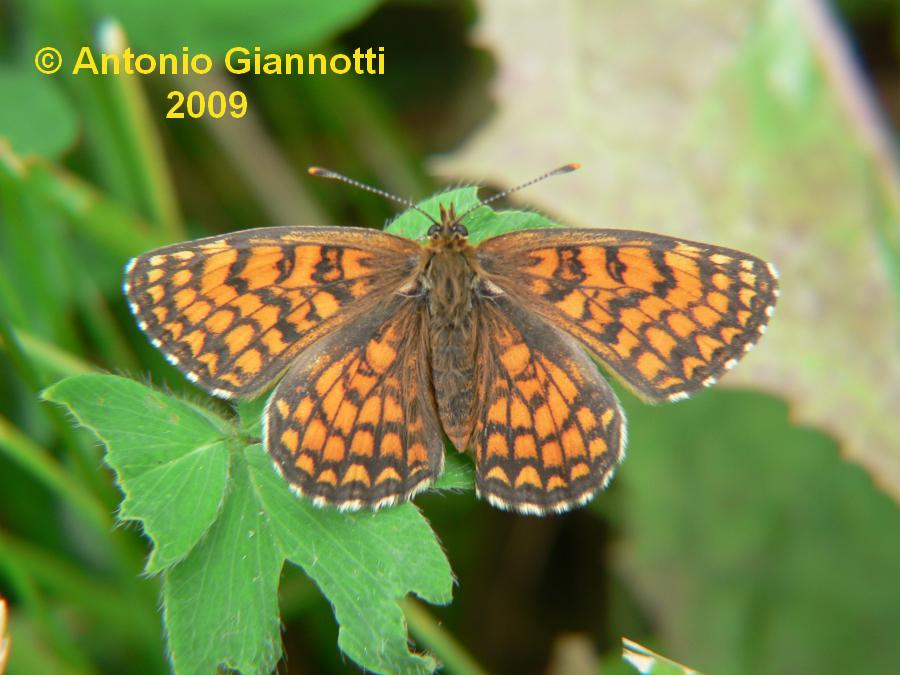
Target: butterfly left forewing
point(233, 311)
point(550, 431)
point(353, 423)
point(668, 316)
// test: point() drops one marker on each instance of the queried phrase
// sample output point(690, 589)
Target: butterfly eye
point(434, 230)
point(459, 229)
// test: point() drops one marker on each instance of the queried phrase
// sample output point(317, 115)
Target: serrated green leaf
point(221, 550)
point(170, 459)
point(363, 562)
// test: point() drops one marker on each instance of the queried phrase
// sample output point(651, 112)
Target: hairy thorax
point(451, 284)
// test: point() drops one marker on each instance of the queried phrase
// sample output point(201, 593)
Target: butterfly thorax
point(450, 281)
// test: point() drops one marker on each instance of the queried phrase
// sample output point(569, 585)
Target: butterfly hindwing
point(232, 312)
point(668, 316)
point(354, 423)
point(550, 431)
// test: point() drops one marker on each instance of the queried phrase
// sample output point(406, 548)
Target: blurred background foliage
point(734, 539)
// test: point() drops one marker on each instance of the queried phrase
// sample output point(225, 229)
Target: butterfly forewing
point(668, 316)
point(232, 312)
point(354, 423)
point(550, 432)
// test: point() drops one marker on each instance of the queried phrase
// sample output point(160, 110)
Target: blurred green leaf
point(749, 128)
point(214, 26)
point(753, 545)
point(37, 118)
point(221, 561)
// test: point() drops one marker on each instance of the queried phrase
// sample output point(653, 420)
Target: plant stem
point(447, 648)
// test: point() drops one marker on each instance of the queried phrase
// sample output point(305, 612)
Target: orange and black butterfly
point(386, 344)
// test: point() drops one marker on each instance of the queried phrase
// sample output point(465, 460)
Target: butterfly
point(382, 345)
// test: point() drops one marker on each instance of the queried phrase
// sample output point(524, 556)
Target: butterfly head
point(449, 229)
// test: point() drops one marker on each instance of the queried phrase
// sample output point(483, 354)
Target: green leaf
point(482, 223)
point(648, 662)
point(220, 548)
point(171, 459)
point(42, 121)
point(754, 546)
point(214, 26)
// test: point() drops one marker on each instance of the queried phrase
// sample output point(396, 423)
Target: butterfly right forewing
point(233, 311)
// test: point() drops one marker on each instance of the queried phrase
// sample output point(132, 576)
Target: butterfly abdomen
point(449, 280)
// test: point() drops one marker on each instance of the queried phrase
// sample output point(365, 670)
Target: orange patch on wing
point(387, 474)
point(181, 277)
point(238, 339)
point(289, 439)
point(314, 435)
point(327, 476)
point(326, 304)
point(362, 443)
point(661, 340)
point(555, 483)
point(392, 410)
point(380, 355)
point(390, 445)
point(524, 447)
point(371, 411)
point(184, 297)
point(498, 410)
point(516, 359)
point(356, 474)
point(545, 262)
point(219, 321)
point(551, 454)
point(496, 445)
point(250, 361)
point(573, 304)
point(640, 272)
point(216, 270)
point(746, 296)
point(579, 470)
point(156, 293)
point(519, 415)
point(345, 418)
point(650, 365)
point(681, 324)
point(528, 476)
point(718, 301)
point(161, 314)
point(273, 342)
point(597, 446)
point(572, 443)
point(334, 449)
point(197, 312)
point(706, 316)
point(586, 418)
point(707, 345)
point(304, 409)
point(626, 343)
point(498, 474)
point(306, 464)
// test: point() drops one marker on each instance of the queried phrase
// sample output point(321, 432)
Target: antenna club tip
point(574, 166)
point(316, 171)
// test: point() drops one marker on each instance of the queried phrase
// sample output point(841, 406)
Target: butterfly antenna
point(327, 173)
point(568, 168)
